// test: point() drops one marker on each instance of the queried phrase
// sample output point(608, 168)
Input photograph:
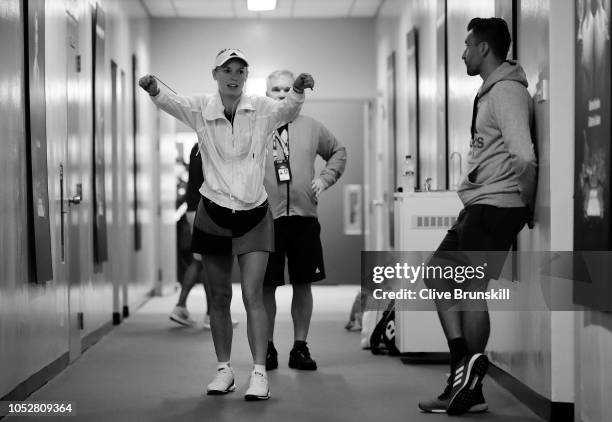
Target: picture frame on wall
point(392, 141)
point(412, 79)
point(592, 155)
point(353, 215)
point(440, 180)
point(100, 233)
point(36, 123)
point(135, 166)
point(508, 11)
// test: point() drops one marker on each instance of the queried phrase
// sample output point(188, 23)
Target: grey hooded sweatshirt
point(502, 163)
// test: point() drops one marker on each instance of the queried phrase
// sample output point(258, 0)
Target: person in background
point(293, 191)
point(233, 218)
point(193, 273)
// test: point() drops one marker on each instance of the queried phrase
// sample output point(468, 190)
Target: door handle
point(76, 199)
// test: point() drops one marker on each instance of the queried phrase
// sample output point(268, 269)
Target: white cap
point(227, 54)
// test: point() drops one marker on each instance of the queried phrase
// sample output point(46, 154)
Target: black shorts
point(485, 230)
point(221, 231)
point(298, 239)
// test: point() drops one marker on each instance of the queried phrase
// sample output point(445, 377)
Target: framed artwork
point(100, 236)
point(392, 141)
point(40, 229)
point(352, 210)
point(137, 228)
point(412, 76)
point(441, 177)
point(508, 11)
point(592, 154)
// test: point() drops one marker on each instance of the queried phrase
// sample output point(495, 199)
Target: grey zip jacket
point(502, 163)
point(307, 139)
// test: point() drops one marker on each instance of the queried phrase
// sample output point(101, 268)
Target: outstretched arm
point(185, 109)
point(287, 110)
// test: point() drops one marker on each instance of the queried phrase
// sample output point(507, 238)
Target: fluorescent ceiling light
point(261, 5)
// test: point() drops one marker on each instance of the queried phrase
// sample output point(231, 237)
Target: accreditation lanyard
point(281, 165)
point(281, 139)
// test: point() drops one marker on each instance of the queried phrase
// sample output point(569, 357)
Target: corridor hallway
point(150, 369)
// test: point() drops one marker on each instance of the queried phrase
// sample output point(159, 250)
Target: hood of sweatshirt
point(501, 166)
point(507, 71)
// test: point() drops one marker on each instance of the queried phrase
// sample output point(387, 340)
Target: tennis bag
point(382, 339)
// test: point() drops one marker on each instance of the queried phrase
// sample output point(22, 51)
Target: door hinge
point(160, 273)
point(78, 63)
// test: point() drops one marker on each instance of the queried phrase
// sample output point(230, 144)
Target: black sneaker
point(299, 358)
point(479, 404)
point(271, 357)
point(440, 403)
point(467, 382)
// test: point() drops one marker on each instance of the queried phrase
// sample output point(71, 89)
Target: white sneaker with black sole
point(223, 383)
point(258, 387)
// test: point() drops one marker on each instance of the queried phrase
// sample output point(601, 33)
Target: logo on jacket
point(477, 142)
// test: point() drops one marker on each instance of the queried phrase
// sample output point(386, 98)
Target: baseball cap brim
point(229, 54)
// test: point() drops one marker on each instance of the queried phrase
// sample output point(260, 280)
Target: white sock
point(223, 365)
point(259, 368)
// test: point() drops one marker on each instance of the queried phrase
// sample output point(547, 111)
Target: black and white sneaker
point(466, 383)
point(440, 403)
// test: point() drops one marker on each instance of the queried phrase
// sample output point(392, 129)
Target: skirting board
point(553, 411)
point(548, 410)
point(37, 380)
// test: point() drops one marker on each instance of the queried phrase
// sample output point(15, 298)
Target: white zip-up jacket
point(233, 156)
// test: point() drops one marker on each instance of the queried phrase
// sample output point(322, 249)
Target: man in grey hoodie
point(498, 194)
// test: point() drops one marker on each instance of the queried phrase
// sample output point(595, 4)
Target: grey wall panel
point(13, 205)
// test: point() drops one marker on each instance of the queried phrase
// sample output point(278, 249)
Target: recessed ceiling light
point(261, 5)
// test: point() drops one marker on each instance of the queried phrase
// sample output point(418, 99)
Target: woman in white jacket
point(233, 218)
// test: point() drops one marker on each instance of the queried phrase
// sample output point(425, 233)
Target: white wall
point(339, 53)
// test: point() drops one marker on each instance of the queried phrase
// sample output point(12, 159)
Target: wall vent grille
point(433, 222)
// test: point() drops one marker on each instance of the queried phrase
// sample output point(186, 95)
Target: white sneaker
point(180, 315)
point(223, 382)
point(258, 387)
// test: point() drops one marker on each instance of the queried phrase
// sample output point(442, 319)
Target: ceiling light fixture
point(261, 5)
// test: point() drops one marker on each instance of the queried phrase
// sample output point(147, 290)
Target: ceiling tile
point(159, 8)
point(285, 8)
point(372, 5)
